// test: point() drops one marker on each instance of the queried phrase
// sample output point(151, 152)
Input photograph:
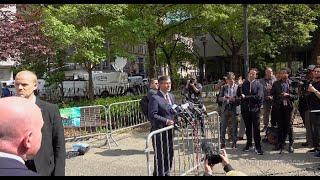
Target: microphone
point(195, 109)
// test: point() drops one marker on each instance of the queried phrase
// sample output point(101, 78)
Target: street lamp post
point(204, 65)
point(246, 41)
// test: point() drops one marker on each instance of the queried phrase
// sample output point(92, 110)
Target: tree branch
point(219, 43)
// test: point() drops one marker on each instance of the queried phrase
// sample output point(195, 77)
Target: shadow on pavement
point(120, 152)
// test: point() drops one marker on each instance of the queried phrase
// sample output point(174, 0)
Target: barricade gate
point(92, 122)
point(180, 149)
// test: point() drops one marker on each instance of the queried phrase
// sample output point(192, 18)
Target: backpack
point(272, 135)
point(144, 105)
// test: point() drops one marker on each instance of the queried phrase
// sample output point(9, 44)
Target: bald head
point(25, 84)
point(20, 126)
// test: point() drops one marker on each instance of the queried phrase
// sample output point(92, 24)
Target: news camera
point(300, 82)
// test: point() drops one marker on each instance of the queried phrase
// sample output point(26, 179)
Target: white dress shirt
point(11, 156)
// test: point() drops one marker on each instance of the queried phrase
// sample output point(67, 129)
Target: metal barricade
point(125, 115)
point(178, 151)
point(92, 122)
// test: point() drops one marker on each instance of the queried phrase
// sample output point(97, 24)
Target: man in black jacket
point(50, 160)
point(251, 93)
point(160, 116)
point(283, 98)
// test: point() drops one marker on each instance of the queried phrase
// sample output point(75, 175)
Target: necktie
point(167, 99)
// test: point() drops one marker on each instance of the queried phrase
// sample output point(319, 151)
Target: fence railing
point(125, 115)
point(178, 152)
point(83, 122)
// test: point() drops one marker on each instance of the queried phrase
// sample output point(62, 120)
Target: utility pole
point(246, 41)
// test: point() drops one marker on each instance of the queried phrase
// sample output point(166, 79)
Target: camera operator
point(228, 96)
point(303, 106)
point(193, 90)
point(314, 97)
point(225, 164)
point(283, 97)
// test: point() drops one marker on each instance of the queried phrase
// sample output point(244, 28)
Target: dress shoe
point(291, 150)
point(247, 148)
point(312, 150)
point(259, 151)
point(317, 154)
point(281, 150)
point(234, 145)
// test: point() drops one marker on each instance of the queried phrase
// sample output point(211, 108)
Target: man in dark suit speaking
point(50, 160)
point(160, 116)
point(20, 135)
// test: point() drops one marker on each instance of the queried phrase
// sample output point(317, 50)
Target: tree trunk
point(152, 57)
point(289, 58)
point(235, 62)
point(316, 49)
point(201, 72)
point(274, 65)
point(90, 87)
point(170, 68)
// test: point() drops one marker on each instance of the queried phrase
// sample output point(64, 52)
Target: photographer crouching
point(314, 101)
point(213, 159)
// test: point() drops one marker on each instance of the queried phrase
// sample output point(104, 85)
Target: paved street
point(129, 158)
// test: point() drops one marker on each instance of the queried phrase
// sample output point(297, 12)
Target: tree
point(273, 28)
point(86, 28)
point(225, 25)
point(155, 23)
point(175, 54)
point(21, 35)
point(286, 27)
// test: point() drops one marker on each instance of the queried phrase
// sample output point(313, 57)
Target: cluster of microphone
point(188, 112)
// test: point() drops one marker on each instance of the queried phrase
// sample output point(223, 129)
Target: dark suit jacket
point(253, 100)
point(276, 92)
point(12, 167)
point(159, 110)
point(50, 159)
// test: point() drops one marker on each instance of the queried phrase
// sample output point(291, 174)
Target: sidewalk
point(128, 159)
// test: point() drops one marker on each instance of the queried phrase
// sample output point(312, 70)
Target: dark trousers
point(273, 117)
point(163, 147)
point(314, 128)
point(252, 120)
point(307, 125)
point(284, 115)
